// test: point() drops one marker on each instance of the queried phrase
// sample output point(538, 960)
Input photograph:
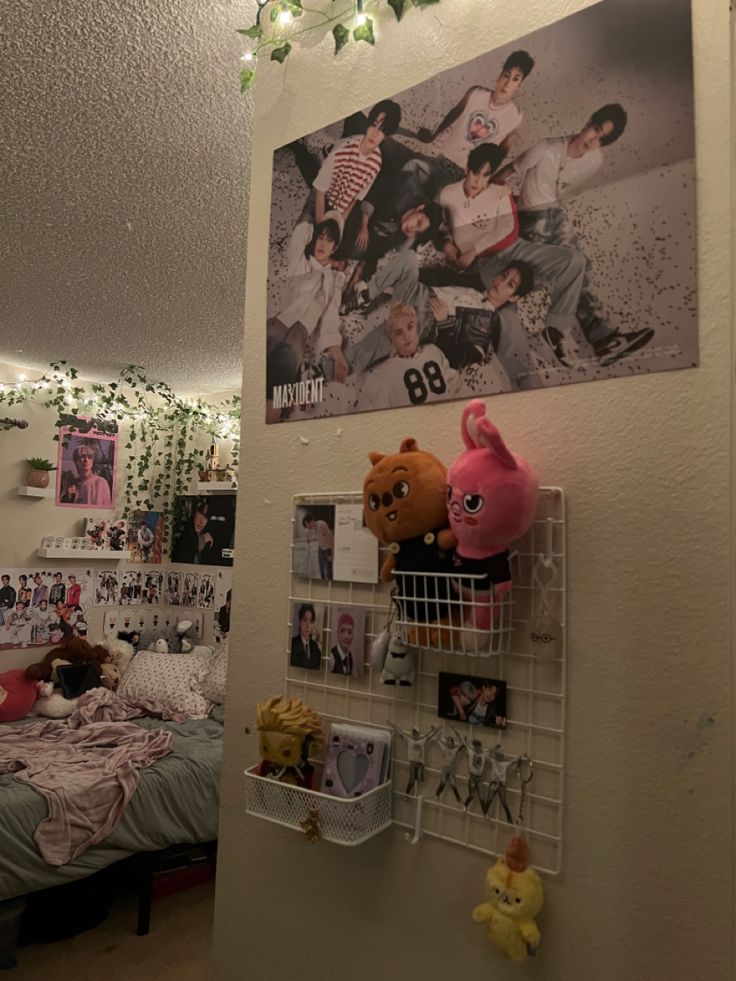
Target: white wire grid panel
point(535, 692)
point(349, 821)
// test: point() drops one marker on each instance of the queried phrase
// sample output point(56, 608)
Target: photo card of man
point(206, 597)
point(146, 536)
point(95, 533)
point(189, 587)
point(107, 587)
point(117, 535)
point(482, 231)
point(306, 635)
point(173, 588)
point(313, 542)
point(223, 604)
point(87, 463)
point(204, 529)
point(477, 701)
point(347, 640)
point(153, 585)
point(128, 582)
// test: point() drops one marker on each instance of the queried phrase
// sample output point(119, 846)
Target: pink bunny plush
point(491, 500)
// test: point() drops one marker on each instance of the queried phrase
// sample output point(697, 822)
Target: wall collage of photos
point(50, 600)
point(521, 221)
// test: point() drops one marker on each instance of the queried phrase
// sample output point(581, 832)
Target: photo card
point(468, 698)
point(223, 604)
point(331, 542)
point(206, 596)
point(117, 535)
point(153, 586)
point(146, 537)
point(131, 586)
point(189, 586)
point(314, 541)
point(173, 588)
point(95, 533)
point(107, 587)
point(347, 640)
point(306, 635)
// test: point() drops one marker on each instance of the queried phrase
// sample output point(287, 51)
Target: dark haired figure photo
point(549, 169)
point(482, 116)
point(309, 324)
point(305, 650)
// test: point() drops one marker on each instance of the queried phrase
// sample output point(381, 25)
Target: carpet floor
point(179, 945)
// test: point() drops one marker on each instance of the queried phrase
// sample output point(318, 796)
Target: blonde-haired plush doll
point(515, 899)
point(289, 730)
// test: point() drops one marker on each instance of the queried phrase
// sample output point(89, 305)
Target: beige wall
point(646, 891)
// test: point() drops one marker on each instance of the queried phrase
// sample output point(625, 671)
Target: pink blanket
point(103, 705)
point(87, 775)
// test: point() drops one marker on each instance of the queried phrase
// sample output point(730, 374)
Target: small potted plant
point(38, 474)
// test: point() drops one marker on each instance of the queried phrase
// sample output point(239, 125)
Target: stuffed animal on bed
point(404, 507)
point(74, 650)
point(178, 638)
point(121, 652)
point(491, 500)
point(18, 694)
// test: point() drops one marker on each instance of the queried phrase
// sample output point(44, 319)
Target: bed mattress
point(176, 802)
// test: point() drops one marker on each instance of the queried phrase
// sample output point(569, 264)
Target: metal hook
point(522, 762)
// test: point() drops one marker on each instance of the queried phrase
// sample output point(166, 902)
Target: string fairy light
point(280, 25)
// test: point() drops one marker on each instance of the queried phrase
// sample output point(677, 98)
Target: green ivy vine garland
point(279, 25)
point(165, 436)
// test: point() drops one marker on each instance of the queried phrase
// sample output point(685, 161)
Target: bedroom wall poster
point(86, 468)
point(524, 220)
point(204, 529)
point(41, 606)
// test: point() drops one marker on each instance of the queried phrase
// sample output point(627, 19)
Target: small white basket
point(416, 593)
point(344, 821)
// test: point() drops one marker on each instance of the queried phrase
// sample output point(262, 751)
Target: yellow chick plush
point(516, 897)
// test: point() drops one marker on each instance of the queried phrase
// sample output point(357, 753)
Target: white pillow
point(166, 678)
point(201, 649)
point(211, 681)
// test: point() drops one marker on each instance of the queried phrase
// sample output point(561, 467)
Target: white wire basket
point(445, 612)
point(344, 821)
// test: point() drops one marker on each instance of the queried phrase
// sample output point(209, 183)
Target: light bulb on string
point(248, 56)
point(285, 17)
point(360, 17)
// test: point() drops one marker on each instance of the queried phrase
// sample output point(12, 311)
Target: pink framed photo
point(87, 466)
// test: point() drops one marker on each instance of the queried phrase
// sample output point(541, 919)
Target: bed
point(176, 802)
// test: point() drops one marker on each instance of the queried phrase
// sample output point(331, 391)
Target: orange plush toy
point(405, 508)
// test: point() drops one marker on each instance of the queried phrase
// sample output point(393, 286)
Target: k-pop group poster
point(524, 220)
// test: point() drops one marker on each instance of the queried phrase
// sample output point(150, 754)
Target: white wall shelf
point(216, 487)
point(79, 554)
point(36, 492)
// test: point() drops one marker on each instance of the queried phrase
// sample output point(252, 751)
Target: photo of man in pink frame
point(86, 467)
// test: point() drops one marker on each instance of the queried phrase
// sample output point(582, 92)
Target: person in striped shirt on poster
point(348, 173)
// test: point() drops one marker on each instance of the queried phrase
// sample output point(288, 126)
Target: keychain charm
point(515, 894)
point(545, 631)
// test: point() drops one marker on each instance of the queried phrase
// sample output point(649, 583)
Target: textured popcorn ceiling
point(124, 142)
